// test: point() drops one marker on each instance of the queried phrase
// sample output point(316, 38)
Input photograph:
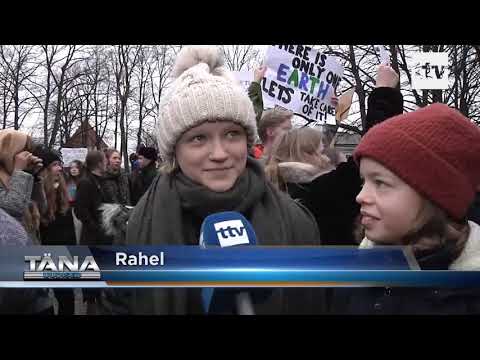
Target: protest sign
point(344, 104)
point(70, 154)
point(383, 54)
point(244, 77)
point(302, 80)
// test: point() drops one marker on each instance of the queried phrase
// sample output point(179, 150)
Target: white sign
point(70, 154)
point(302, 80)
point(430, 71)
point(244, 77)
point(384, 54)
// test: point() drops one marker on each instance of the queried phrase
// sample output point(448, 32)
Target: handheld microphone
point(224, 229)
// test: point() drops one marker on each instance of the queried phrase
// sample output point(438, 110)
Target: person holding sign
point(205, 129)
point(298, 165)
point(255, 91)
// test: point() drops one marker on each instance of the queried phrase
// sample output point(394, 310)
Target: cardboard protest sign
point(70, 154)
point(344, 104)
point(302, 80)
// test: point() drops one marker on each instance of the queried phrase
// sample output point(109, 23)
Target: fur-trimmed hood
point(298, 172)
point(468, 260)
point(115, 220)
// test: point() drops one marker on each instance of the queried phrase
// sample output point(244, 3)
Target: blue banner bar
point(192, 266)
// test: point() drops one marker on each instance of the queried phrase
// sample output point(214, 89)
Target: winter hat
point(148, 152)
point(203, 90)
point(436, 150)
point(12, 142)
point(48, 156)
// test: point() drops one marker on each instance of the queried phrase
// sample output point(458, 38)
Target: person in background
point(255, 95)
point(298, 164)
point(73, 176)
point(116, 188)
point(19, 180)
point(115, 182)
point(56, 226)
point(22, 196)
point(90, 197)
point(255, 91)
point(141, 179)
point(274, 122)
point(20, 301)
point(133, 158)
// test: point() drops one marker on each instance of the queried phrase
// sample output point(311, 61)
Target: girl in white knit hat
point(205, 129)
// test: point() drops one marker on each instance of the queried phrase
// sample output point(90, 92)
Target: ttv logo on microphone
point(231, 233)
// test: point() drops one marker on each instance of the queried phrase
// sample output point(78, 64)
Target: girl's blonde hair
point(297, 145)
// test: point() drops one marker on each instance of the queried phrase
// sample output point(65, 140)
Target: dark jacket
point(116, 188)
point(140, 181)
point(89, 199)
point(331, 199)
point(255, 95)
point(331, 196)
point(283, 222)
point(60, 231)
point(474, 211)
point(407, 300)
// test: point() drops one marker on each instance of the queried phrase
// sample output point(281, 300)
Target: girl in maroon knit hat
point(420, 172)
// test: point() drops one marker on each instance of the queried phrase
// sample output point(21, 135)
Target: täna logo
point(64, 268)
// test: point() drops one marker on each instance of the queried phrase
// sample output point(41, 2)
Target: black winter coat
point(60, 231)
point(405, 301)
point(88, 201)
point(474, 211)
point(140, 181)
point(411, 301)
point(331, 197)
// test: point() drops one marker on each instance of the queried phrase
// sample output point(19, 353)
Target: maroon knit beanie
point(436, 150)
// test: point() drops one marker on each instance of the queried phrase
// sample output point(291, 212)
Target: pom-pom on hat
point(203, 90)
point(436, 150)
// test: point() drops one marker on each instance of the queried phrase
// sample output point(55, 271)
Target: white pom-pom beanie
point(203, 90)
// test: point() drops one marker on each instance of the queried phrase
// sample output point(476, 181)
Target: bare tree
point(17, 66)
point(143, 77)
point(124, 62)
point(240, 57)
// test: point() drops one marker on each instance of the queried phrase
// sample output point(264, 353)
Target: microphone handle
point(244, 304)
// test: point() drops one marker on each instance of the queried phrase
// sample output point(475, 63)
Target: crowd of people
point(413, 181)
point(46, 202)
